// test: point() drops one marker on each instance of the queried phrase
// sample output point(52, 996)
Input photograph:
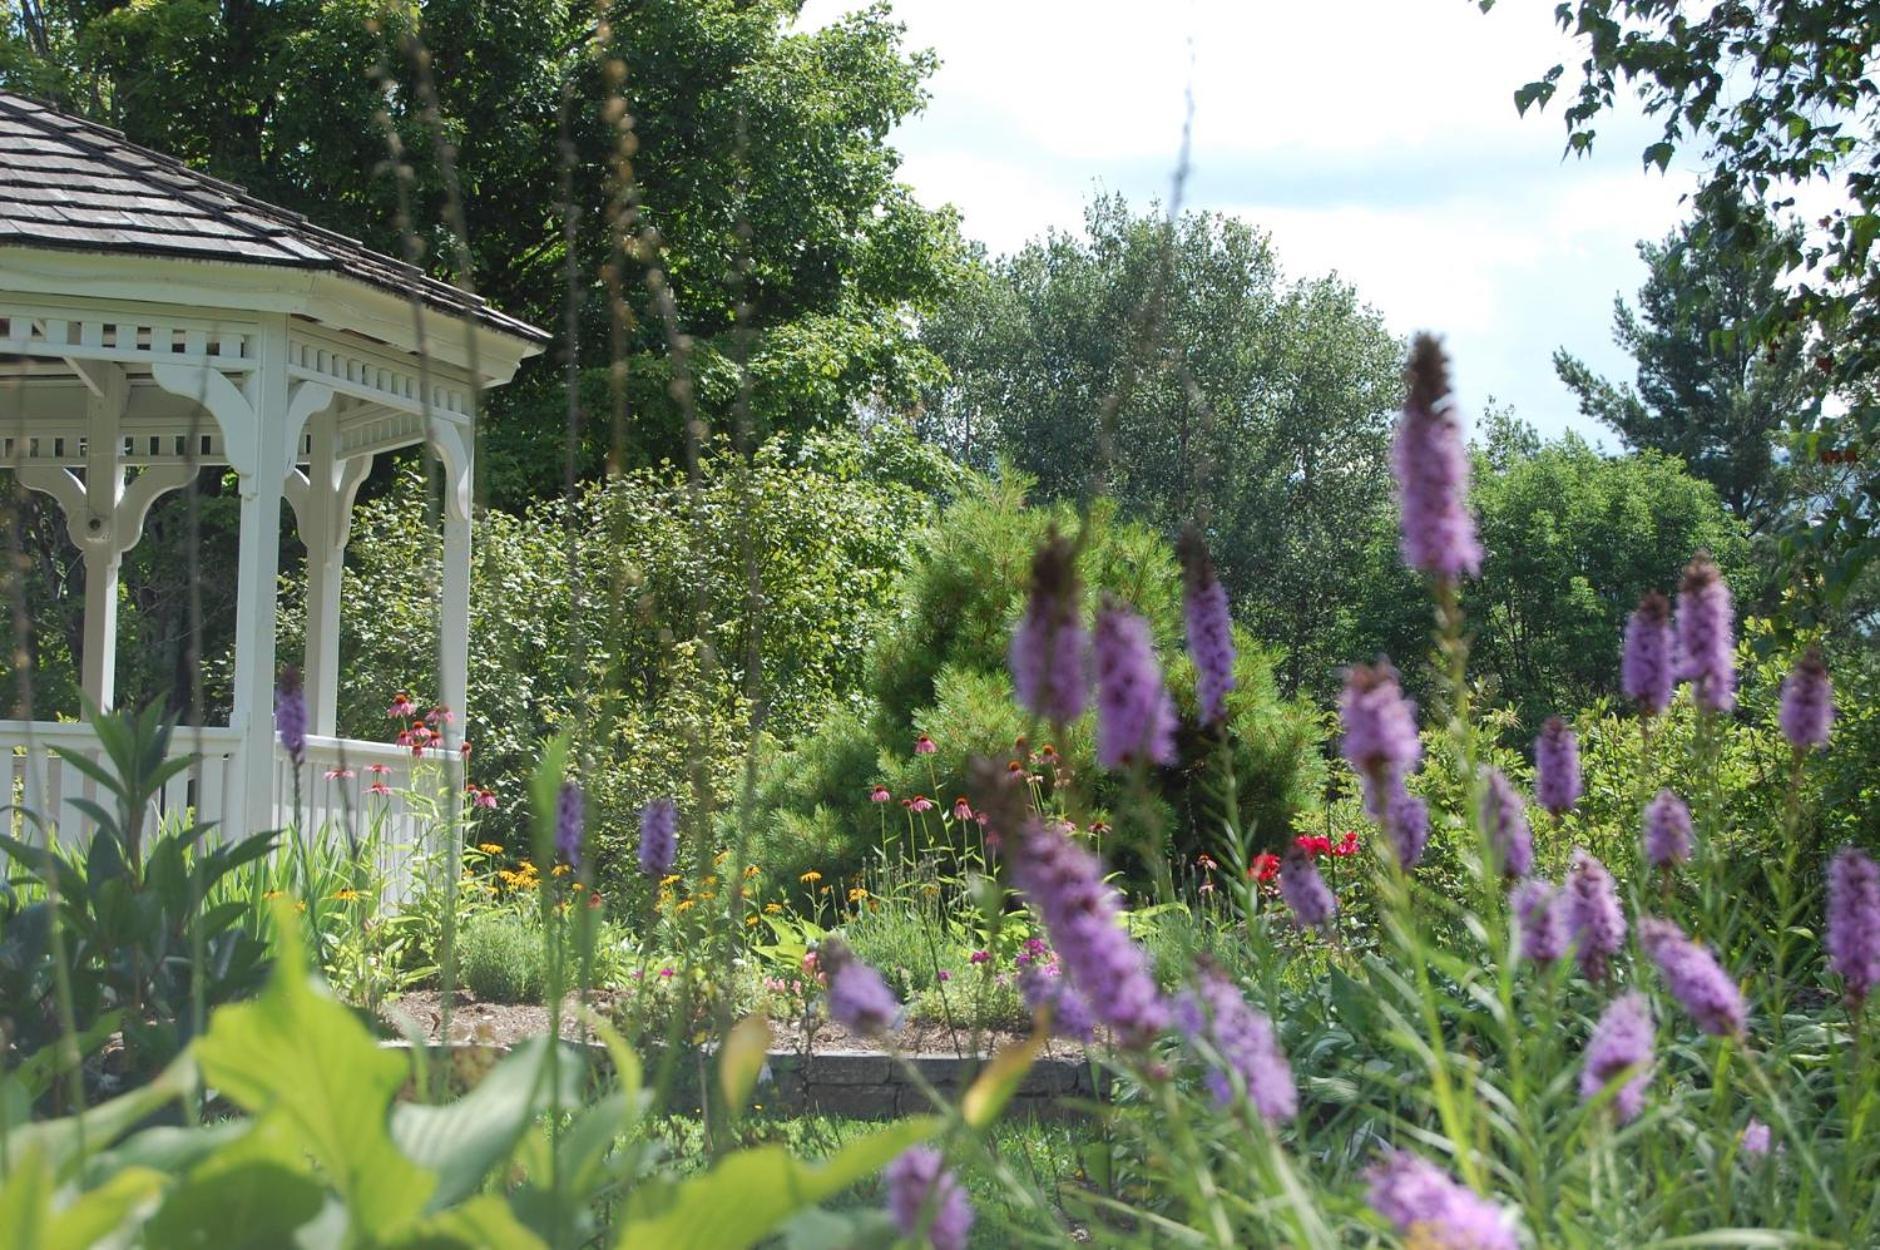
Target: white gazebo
point(154, 320)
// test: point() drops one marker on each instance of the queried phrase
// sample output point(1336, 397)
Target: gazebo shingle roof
point(69, 183)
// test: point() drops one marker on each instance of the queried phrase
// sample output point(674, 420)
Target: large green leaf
point(255, 1205)
point(484, 1223)
point(462, 1141)
point(59, 1141)
point(297, 1054)
point(749, 1194)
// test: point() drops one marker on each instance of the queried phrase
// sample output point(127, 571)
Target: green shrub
point(500, 958)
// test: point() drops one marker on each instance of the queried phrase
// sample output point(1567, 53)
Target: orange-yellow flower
point(812, 876)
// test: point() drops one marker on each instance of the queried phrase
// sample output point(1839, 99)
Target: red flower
point(1347, 845)
point(1206, 861)
point(1314, 844)
point(1265, 867)
point(463, 748)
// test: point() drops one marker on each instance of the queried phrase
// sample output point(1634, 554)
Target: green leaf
point(254, 1205)
point(484, 1223)
point(749, 1194)
point(742, 1060)
point(995, 1086)
point(300, 1055)
point(462, 1141)
point(59, 1140)
point(97, 1213)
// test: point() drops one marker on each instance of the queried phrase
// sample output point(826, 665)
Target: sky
point(1376, 139)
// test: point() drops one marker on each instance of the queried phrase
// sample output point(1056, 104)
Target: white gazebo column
point(453, 678)
point(323, 501)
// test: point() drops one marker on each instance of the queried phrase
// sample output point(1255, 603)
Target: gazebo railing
point(336, 802)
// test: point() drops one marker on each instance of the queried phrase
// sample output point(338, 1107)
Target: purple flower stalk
point(290, 715)
point(921, 1191)
point(1065, 883)
point(1557, 766)
point(1594, 915)
point(1621, 1042)
point(1667, 831)
point(1380, 741)
point(1432, 1210)
point(1756, 1138)
point(1706, 642)
point(1050, 651)
point(659, 837)
point(1215, 1013)
point(1407, 824)
point(1645, 669)
point(859, 1000)
point(1210, 628)
point(570, 822)
point(1312, 902)
point(1853, 939)
point(1135, 718)
point(1504, 818)
point(1540, 910)
point(1432, 470)
point(1695, 978)
point(1045, 989)
point(1807, 703)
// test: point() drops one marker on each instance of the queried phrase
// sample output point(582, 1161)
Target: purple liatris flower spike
point(1621, 1042)
point(1050, 652)
point(1065, 883)
point(290, 715)
point(1215, 1014)
point(1557, 766)
point(1594, 915)
point(1706, 641)
point(1210, 628)
point(1504, 819)
point(659, 837)
point(1312, 902)
point(1695, 978)
point(1044, 988)
point(1756, 1138)
point(1853, 939)
point(1432, 471)
point(570, 821)
point(1135, 719)
point(1667, 831)
point(1407, 824)
point(1645, 669)
point(1807, 703)
point(859, 1000)
point(1380, 741)
point(922, 1194)
point(1540, 911)
point(1433, 1211)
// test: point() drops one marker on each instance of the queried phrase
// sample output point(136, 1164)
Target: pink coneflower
point(920, 803)
point(484, 798)
point(463, 748)
point(379, 770)
point(878, 793)
point(440, 715)
point(923, 745)
point(962, 810)
point(338, 774)
point(402, 707)
point(379, 788)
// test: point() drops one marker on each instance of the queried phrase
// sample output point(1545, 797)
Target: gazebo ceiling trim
point(70, 185)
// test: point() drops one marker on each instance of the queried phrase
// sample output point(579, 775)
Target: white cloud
point(1377, 138)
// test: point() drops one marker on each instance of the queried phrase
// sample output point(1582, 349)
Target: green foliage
point(141, 939)
point(583, 616)
point(1708, 394)
point(501, 958)
point(939, 669)
point(1777, 96)
point(1573, 539)
point(1175, 369)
